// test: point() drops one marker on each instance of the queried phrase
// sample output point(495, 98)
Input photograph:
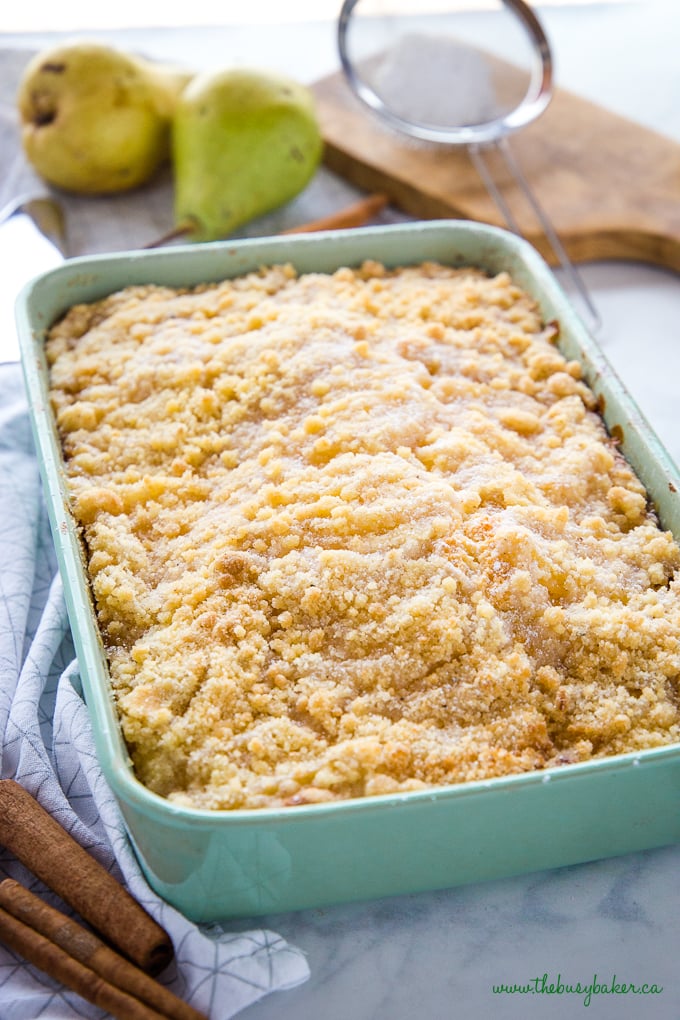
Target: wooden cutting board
point(611, 187)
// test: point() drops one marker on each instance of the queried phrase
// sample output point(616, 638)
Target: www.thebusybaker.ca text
point(545, 986)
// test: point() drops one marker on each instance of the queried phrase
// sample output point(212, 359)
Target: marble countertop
point(437, 956)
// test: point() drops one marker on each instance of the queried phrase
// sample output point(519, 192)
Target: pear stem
point(184, 229)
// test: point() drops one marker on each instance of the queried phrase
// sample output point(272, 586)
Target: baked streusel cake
point(358, 533)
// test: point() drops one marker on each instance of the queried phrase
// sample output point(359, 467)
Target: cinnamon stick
point(352, 216)
point(39, 842)
point(89, 950)
point(58, 964)
point(355, 215)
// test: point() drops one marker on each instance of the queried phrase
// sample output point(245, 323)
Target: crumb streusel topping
point(358, 533)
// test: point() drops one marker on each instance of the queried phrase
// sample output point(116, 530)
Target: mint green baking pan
point(223, 864)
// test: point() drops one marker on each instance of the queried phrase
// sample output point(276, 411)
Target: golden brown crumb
point(358, 533)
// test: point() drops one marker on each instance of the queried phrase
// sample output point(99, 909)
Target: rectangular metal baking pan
point(214, 865)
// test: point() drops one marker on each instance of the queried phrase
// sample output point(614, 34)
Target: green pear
point(244, 142)
point(95, 119)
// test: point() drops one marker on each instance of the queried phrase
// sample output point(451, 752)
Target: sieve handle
point(482, 168)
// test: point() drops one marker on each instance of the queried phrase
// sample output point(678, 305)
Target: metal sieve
point(460, 74)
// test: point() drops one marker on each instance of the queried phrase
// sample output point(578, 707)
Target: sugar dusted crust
point(358, 533)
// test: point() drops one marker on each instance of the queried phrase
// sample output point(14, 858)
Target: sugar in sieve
point(457, 73)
